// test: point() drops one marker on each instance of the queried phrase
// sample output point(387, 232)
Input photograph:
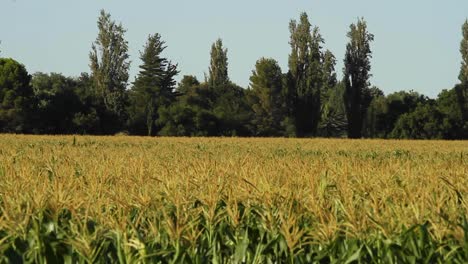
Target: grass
point(229, 200)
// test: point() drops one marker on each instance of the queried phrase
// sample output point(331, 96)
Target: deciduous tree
point(110, 65)
point(462, 89)
point(306, 76)
point(266, 85)
point(218, 65)
point(57, 102)
point(16, 97)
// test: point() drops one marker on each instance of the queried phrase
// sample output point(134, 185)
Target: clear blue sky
point(416, 41)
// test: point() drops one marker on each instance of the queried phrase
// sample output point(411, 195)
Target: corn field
point(80, 199)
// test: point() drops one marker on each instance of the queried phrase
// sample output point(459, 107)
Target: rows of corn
point(81, 199)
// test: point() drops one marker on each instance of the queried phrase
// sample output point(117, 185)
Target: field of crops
point(227, 200)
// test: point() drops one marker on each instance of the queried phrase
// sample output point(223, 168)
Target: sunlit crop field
point(232, 200)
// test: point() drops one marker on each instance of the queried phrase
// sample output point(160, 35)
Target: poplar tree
point(462, 89)
point(305, 77)
point(109, 63)
point(463, 77)
point(218, 70)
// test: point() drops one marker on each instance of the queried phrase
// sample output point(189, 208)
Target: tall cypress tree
point(109, 65)
point(305, 76)
point(154, 85)
point(356, 75)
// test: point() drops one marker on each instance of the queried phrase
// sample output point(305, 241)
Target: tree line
point(307, 100)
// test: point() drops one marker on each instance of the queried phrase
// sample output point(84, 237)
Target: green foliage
point(16, 97)
point(65, 105)
point(265, 98)
point(462, 89)
point(333, 121)
point(153, 87)
point(329, 74)
point(330, 81)
point(463, 77)
point(87, 122)
point(412, 115)
point(425, 122)
point(89, 119)
point(356, 75)
point(186, 84)
point(218, 103)
point(305, 101)
point(454, 120)
point(183, 120)
point(109, 66)
point(58, 103)
point(306, 75)
point(384, 111)
point(231, 109)
point(376, 122)
point(177, 120)
point(192, 114)
point(218, 65)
